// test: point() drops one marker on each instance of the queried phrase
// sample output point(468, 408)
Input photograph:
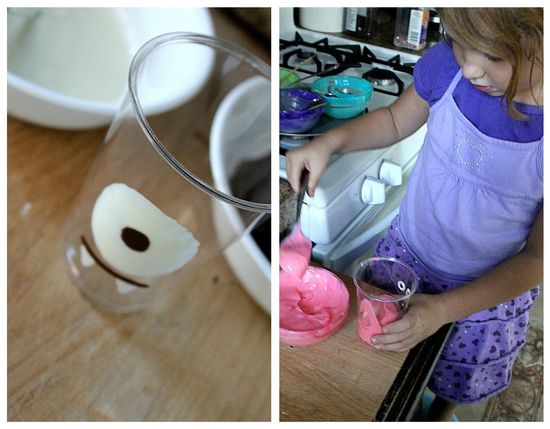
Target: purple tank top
point(472, 198)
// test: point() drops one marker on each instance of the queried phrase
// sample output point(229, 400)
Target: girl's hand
point(314, 157)
point(425, 316)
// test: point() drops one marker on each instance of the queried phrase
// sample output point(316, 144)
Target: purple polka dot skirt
point(478, 357)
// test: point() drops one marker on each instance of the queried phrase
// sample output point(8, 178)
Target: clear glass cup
point(183, 174)
point(384, 287)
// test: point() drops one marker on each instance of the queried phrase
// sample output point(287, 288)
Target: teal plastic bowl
point(346, 96)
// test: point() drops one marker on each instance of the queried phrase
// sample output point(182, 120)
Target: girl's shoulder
point(434, 72)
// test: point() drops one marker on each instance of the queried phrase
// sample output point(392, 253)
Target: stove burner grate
point(383, 78)
point(342, 56)
point(394, 62)
point(301, 57)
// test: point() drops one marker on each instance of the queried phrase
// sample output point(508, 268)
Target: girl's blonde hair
point(511, 34)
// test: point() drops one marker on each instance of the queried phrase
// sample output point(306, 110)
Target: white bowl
point(242, 109)
point(42, 106)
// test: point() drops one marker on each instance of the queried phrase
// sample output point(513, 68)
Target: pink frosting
point(313, 301)
point(373, 315)
point(295, 253)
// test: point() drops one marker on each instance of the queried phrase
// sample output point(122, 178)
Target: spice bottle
point(435, 29)
point(359, 21)
point(411, 27)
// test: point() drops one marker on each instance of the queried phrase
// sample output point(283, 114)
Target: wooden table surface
point(67, 360)
point(338, 379)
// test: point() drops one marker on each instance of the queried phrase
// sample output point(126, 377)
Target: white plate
point(42, 106)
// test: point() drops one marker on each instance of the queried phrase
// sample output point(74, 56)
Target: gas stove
point(359, 192)
point(384, 69)
point(313, 55)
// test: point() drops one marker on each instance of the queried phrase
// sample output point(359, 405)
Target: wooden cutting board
point(201, 353)
point(337, 379)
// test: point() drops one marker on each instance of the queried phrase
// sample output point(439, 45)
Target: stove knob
point(373, 191)
point(390, 172)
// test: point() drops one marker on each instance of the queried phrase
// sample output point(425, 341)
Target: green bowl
point(288, 79)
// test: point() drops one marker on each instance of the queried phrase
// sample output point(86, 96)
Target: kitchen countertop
point(342, 379)
point(67, 360)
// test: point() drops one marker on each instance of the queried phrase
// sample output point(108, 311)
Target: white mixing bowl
point(42, 106)
point(245, 108)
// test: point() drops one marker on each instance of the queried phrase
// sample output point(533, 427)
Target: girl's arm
point(427, 313)
point(382, 127)
point(379, 128)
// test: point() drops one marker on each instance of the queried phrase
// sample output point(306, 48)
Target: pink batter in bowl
point(312, 307)
point(313, 301)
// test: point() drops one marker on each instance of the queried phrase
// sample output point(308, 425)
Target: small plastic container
point(346, 96)
point(384, 287)
point(296, 114)
point(129, 239)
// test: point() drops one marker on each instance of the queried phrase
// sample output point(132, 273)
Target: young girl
point(471, 221)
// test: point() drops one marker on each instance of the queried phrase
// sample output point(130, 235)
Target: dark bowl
point(294, 116)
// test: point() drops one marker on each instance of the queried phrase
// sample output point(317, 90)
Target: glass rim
point(361, 266)
point(212, 42)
